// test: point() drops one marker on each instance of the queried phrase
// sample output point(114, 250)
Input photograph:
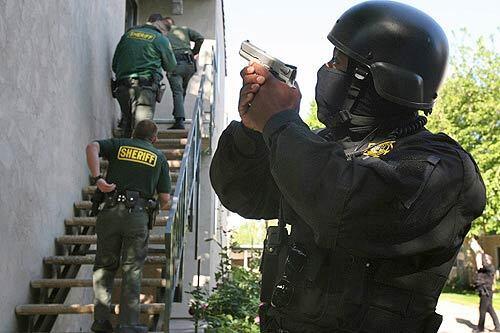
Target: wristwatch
point(96, 178)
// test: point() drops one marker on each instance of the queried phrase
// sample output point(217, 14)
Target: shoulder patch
point(141, 35)
point(379, 149)
point(137, 155)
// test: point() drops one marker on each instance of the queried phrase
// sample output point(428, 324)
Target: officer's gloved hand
point(263, 96)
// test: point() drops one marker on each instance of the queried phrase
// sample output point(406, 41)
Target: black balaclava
point(369, 113)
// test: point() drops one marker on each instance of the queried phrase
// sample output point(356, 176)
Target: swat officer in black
point(378, 205)
point(137, 170)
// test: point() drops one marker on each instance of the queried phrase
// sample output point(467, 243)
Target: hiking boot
point(178, 124)
point(102, 326)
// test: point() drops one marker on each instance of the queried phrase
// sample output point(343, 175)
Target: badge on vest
point(379, 149)
point(137, 155)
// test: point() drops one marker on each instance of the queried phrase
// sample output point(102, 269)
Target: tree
point(250, 232)
point(468, 110)
point(312, 118)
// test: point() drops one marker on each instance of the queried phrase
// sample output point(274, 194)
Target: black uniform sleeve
point(240, 174)
point(164, 184)
point(197, 38)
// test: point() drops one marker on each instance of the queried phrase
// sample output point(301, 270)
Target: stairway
point(77, 248)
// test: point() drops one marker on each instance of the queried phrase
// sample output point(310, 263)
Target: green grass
point(469, 299)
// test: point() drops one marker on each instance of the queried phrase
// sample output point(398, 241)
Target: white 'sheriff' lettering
point(138, 155)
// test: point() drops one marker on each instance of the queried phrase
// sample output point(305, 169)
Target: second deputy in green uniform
point(180, 38)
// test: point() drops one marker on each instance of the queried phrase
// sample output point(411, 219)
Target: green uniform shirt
point(135, 164)
point(142, 52)
point(180, 38)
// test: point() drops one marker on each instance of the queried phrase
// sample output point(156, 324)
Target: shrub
point(233, 304)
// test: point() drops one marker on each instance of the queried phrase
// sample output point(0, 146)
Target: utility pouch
point(160, 92)
point(275, 252)
point(132, 198)
point(110, 199)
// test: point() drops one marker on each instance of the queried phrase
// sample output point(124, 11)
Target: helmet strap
point(358, 84)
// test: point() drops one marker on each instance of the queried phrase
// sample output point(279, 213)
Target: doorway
point(130, 14)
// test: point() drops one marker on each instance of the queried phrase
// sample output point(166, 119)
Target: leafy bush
point(233, 305)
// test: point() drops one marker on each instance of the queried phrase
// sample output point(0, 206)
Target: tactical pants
point(179, 80)
point(486, 306)
point(137, 102)
point(120, 235)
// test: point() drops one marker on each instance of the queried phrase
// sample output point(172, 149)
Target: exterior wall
point(219, 213)
point(205, 17)
point(54, 86)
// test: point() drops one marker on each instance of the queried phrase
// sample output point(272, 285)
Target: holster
point(152, 207)
point(160, 92)
point(275, 251)
point(97, 199)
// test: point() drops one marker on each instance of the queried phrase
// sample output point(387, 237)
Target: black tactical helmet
point(405, 50)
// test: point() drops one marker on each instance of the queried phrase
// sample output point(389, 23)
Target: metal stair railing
point(184, 202)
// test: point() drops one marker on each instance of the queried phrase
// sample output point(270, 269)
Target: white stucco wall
point(55, 58)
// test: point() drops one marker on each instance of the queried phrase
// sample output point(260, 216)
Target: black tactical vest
point(380, 263)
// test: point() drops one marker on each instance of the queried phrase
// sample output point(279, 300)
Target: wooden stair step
point(90, 259)
point(173, 154)
point(172, 134)
point(92, 239)
point(161, 221)
point(86, 204)
point(56, 309)
point(171, 143)
point(85, 283)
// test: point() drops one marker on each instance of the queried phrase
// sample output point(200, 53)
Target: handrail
point(185, 190)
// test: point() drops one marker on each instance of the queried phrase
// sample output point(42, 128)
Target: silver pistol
point(279, 69)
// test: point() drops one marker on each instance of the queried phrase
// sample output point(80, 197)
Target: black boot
point(102, 326)
point(179, 124)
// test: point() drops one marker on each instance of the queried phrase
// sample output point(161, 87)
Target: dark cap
point(155, 17)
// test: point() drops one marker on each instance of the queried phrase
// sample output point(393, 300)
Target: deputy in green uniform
point(136, 171)
point(138, 61)
point(180, 38)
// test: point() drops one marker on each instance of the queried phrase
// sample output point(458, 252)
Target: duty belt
point(131, 199)
point(142, 81)
point(186, 56)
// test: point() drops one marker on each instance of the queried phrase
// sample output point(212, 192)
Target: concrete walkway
point(459, 318)
point(182, 326)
